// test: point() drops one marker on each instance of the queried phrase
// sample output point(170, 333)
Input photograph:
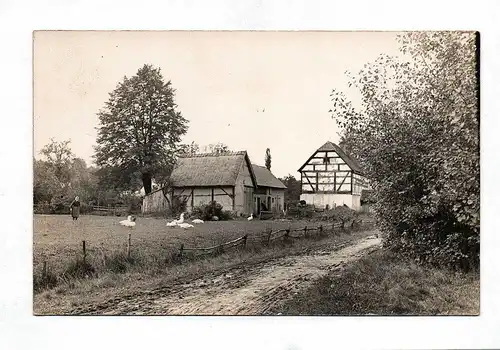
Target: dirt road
point(249, 290)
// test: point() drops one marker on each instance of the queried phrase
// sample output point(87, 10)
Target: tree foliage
point(417, 136)
point(140, 128)
point(189, 149)
point(217, 148)
point(60, 176)
point(268, 159)
point(293, 190)
point(194, 148)
point(58, 156)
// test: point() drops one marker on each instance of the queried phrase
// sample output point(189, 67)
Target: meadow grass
point(58, 241)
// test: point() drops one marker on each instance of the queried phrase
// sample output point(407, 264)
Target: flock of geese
point(130, 222)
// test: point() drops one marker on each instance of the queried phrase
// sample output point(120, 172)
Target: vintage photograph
point(271, 173)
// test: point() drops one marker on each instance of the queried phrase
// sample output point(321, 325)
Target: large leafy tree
point(417, 135)
point(140, 128)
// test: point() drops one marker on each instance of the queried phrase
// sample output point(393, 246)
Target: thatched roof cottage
point(230, 179)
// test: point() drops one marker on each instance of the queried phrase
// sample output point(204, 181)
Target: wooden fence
point(95, 209)
point(269, 236)
point(109, 209)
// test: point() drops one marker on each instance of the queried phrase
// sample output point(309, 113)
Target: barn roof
point(209, 169)
point(330, 146)
point(265, 178)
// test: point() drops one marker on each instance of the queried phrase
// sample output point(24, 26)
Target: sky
point(249, 90)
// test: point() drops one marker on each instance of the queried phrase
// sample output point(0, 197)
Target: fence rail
point(270, 236)
point(87, 209)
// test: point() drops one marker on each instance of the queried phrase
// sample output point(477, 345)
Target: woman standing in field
point(74, 207)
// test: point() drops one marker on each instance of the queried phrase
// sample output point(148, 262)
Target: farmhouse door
point(248, 200)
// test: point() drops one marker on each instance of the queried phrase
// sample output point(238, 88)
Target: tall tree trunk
point(146, 182)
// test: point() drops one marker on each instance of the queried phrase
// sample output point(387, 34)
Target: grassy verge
point(382, 284)
point(134, 279)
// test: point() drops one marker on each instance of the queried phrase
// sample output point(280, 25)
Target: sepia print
point(256, 173)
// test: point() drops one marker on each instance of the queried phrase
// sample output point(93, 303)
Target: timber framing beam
point(307, 178)
point(327, 192)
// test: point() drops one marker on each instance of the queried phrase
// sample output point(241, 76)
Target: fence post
point(129, 244)
point(84, 252)
point(181, 250)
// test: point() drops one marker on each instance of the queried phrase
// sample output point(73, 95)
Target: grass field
point(382, 284)
point(58, 240)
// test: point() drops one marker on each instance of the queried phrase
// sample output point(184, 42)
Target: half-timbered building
point(330, 177)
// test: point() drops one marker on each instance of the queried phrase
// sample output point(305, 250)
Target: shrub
point(207, 211)
point(342, 214)
point(418, 142)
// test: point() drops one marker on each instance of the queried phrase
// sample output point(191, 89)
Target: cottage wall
point(154, 202)
point(244, 191)
point(203, 195)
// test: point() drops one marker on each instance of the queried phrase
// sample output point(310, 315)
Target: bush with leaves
point(208, 211)
point(341, 214)
point(417, 138)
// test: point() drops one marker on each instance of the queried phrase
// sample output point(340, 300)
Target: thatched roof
point(265, 178)
point(330, 146)
point(209, 170)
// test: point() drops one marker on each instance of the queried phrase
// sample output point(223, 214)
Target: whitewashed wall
point(321, 200)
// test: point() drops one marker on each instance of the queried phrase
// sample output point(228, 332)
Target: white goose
point(130, 222)
point(198, 221)
point(185, 225)
point(250, 218)
point(176, 222)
